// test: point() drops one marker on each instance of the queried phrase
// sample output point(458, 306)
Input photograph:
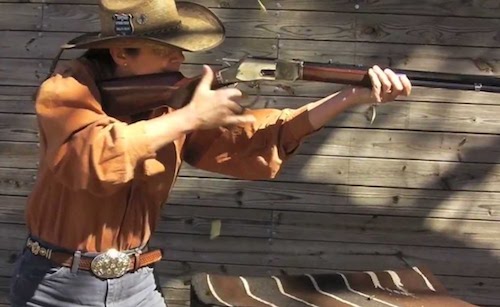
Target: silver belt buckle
point(111, 264)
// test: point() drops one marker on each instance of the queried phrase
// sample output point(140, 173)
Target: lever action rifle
point(137, 94)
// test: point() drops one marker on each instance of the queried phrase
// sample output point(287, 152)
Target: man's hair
point(102, 62)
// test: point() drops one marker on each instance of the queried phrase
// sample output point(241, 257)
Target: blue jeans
point(39, 282)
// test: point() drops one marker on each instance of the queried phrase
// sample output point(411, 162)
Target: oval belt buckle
point(111, 264)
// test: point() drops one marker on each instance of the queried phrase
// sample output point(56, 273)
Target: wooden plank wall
point(419, 186)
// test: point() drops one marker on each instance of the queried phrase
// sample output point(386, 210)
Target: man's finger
point(406, 84)
point(231, 93)
point(235, 107)
point(376, 85)
point(239, 119)
point(207, 78)
point(397, 86)
point(384, 80)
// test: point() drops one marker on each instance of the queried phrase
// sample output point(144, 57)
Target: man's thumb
point(207, 77)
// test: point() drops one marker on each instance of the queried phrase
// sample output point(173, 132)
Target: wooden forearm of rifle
point(336, 74)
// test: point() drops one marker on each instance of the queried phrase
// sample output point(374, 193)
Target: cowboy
point(102, 180)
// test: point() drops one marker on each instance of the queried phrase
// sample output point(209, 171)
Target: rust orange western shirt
point(101, 186)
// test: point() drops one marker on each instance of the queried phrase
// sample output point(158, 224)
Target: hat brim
point(199, 30)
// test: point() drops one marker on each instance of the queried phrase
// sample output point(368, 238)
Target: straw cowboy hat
point(136, 23)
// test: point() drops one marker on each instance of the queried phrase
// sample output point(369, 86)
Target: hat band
point(173, 28)
point(123, 26)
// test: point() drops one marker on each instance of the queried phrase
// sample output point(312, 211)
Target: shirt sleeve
point(81, 145)
point(254, 151)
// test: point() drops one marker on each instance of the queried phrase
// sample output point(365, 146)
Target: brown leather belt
point(111, 264)
point(143, 259)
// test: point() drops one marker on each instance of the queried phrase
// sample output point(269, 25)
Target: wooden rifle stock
point(138, 94)
point(143, 93)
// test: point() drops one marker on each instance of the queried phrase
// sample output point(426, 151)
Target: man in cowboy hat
point(102, 180)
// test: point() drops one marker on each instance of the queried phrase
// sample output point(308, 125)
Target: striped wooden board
point(415, 286)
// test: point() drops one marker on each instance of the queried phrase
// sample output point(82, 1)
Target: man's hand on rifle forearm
point(386, 87)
